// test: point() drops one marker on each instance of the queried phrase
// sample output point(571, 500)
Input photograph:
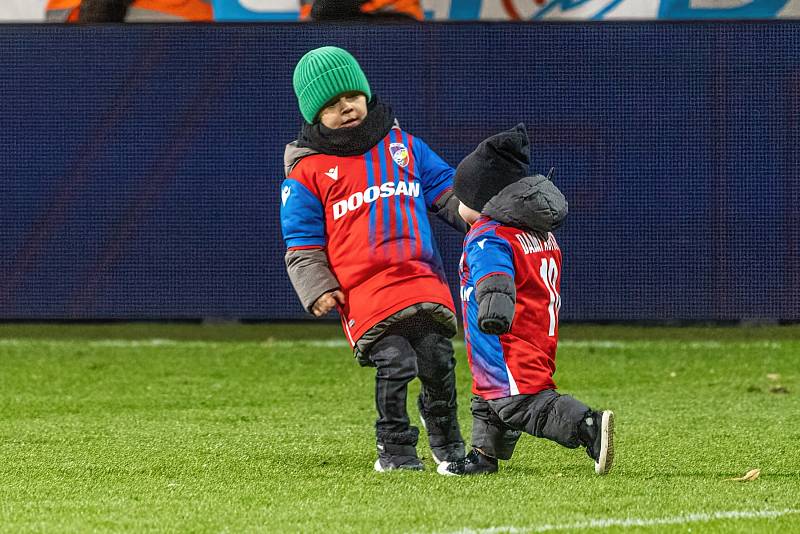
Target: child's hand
point(327, 302)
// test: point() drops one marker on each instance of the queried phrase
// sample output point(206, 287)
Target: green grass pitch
point(269, 428)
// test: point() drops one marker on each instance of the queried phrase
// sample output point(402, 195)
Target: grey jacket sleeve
point(446, 208)
point(497, 297)
point(310, 275)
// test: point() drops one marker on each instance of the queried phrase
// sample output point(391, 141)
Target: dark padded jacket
point(534, 204)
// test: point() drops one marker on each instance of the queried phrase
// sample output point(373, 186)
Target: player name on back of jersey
point(531, 243)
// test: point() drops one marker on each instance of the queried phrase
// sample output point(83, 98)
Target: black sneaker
point(474, 463)
point(391, 463)
point(600, 427)
point(452, 452)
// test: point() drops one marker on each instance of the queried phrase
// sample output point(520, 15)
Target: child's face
point(468, 214)
point(345, 111)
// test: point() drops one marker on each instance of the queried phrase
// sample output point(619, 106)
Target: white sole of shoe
point(606, 461)
point(380, 469)
point(442, 469)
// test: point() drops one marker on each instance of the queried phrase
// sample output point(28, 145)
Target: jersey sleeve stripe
point(477, 233)
point(309, 242)
point(305, 247)
point(440, 195)
point(485, 276)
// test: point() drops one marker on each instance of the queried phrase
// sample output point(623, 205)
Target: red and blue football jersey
point(523, 360)
point(369, 212)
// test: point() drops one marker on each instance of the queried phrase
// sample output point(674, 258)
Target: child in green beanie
point(354, 217)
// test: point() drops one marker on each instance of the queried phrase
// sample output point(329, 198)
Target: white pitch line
point(107, 343)
point(158, 343)
point(342, 343)
point(645, 344)
point(633, 522)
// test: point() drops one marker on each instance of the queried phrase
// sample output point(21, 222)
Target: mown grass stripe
point(633, 522)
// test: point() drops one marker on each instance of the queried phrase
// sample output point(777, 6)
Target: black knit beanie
point(500, 160)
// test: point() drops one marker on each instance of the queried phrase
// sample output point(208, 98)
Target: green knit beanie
point(325, 73)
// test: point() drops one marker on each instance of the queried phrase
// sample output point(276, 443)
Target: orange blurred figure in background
point(129, 11)
point(359, 9)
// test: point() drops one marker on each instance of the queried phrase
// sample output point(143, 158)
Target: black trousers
point(498, 424)
point(413, 349)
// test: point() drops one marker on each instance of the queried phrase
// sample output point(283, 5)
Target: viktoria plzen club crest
point(399, 153)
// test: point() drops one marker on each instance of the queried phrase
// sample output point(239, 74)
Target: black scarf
point(349, 141)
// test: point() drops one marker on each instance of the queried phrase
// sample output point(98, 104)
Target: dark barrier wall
point(141, 165)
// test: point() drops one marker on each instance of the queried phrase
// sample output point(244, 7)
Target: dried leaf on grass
point(748, 477)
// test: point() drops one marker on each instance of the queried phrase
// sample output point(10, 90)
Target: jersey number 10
point(549, 274)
